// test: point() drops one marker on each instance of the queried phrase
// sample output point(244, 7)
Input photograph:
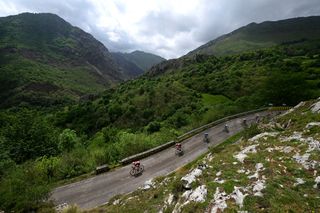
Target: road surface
point(96, 191)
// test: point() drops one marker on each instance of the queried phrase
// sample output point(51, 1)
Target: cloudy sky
point(169, 28)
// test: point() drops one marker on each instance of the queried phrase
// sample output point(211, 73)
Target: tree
point(28, 135)
point(153, 127)
point(286, 88)
point(68, 139)
point(48, 166)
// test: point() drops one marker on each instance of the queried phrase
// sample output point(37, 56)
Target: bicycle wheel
point(132, 172)
point(141, 169)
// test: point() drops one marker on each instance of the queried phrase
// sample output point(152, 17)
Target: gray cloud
point(166, 23)
point(161, 26)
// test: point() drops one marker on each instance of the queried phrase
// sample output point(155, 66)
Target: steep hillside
point(249, 38)
point(270, 167)
point(141, 59)
point(129, 69)
point(43, 55)
point(256, 36)
point(279, 75)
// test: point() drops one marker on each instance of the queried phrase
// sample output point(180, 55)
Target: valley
point(68, 105)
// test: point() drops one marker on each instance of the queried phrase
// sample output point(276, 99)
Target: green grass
point(212, 100)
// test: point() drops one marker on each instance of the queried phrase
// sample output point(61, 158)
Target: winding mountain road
point(96, 191)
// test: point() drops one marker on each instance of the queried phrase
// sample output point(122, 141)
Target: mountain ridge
point(281, 26)
point(141, 59)
point(248, 38)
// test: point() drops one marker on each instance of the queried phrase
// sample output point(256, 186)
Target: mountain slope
point(128, 68)
point(249, 38)
point(190, 94)
point(142, 59)
point(43, 54)
point(256, 36)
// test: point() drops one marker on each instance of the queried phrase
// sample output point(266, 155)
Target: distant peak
point(39, 14)
point(138, 51)
point(252, 24)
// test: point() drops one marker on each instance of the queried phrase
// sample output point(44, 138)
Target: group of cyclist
point(137, 168)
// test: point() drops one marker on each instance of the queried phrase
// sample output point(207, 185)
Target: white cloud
point(165, 27)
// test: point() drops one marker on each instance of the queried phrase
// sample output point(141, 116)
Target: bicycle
point(136, 169)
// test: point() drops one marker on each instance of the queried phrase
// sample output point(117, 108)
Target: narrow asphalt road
point(97, 190)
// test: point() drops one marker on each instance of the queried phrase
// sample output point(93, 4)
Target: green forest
point(42, 146)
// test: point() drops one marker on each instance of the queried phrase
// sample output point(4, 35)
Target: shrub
point(153, 127)
point(75, 163)
point(23, 190)
point(49, 166)
point(68, 139)
point(251, 131)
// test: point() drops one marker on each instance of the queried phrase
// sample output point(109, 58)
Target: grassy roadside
point(221, 146)
point(133, 202)
point(270, 178)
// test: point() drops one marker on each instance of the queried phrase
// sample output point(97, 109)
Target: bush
point(5, 161)
point(75, 163)
point(153, 127)
point(178, 120)
point(49, 166)
point(110, 134)
point(68, 139)
point(251, 131)
point(23, 190)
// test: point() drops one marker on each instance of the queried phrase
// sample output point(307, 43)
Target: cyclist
point(226, 128)
point(136, 165)
point(206, 138)
point(137, 168)
point(178, 147)
point(179, 150)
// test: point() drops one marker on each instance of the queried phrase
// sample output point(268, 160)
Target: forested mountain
point(137, 62)
point(143, 60)
point(44, 60)
point(128, 68)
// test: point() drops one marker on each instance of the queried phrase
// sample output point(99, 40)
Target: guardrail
point(147, 153)
point(189, 134)
point(281, 108)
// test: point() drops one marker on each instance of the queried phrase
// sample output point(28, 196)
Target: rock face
point(315, 108)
